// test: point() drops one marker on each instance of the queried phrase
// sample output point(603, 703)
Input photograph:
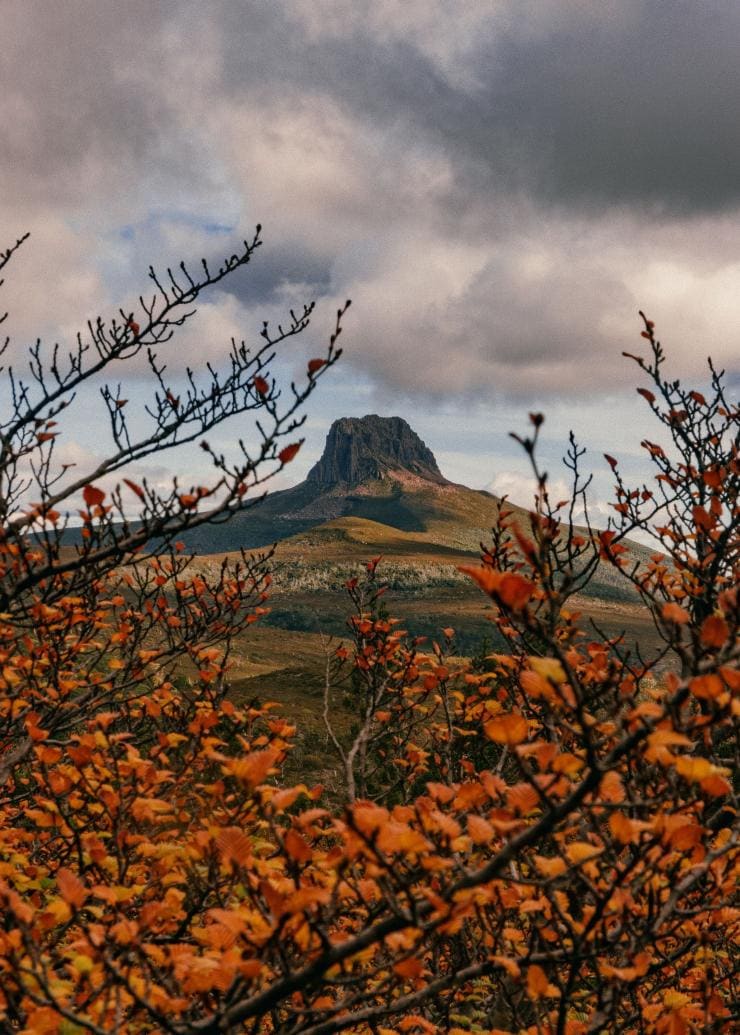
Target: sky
point(498, 186)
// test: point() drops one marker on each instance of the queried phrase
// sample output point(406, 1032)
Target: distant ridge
point(362, 448)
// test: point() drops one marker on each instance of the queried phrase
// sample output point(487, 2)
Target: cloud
point(521, 488)
point(575, 103)
point(499, 191)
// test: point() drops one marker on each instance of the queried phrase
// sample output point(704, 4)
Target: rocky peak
point(359, 448)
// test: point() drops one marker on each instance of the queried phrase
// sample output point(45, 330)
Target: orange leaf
point(93, 496)
point(286, 455)
point(549, 668)
point(537, 983)
point(297, 847)
point(410, 968)
point(550, 866)
point(581, 851)
point(509, 965)
point(622, 828)
point(665, 736)
point(523, 798)
point(537, 686)
point(673, 612)
point(706, 687)
point(515, 591)
point(484, 576)
point(716, 786)
point(702, 520)
point(71, 888)
point(612, 788)
point(480, 830)
point(254, 767)
point(508, 729)
point(694, 769)
point(234, 844)
point(714, 631)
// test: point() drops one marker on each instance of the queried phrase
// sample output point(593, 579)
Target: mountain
point(376, 468)
point(365, 448)
point(377, 489)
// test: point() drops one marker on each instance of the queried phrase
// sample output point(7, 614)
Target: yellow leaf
point(695, 769)
point(579, 851)
point(548, 668)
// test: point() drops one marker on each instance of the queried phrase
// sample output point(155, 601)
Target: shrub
point(549, 845)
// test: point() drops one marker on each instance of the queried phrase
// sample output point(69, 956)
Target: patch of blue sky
point(157, 218)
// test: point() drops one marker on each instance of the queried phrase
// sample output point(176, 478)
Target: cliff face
point(358, 448)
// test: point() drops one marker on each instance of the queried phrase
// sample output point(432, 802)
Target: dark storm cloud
point(637, 107)
point(609, 104)
point(276, 266)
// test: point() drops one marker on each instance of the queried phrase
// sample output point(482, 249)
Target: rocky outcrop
point(361, 448)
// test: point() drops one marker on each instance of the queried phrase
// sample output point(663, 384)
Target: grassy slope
point(283, 658)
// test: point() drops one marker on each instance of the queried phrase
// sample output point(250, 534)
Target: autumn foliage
point(547, 843)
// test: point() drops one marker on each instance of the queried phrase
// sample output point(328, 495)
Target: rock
point(360, 448)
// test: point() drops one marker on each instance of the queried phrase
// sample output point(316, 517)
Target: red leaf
point(611, 461)
point(646, 394)
point(314, 365)
point(286, 455)
point(702, 519)
point(93, 496)
point(136, 489)
point(261, 385)
point(133, 326)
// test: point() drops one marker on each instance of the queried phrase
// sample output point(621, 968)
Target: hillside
point(377, 490)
